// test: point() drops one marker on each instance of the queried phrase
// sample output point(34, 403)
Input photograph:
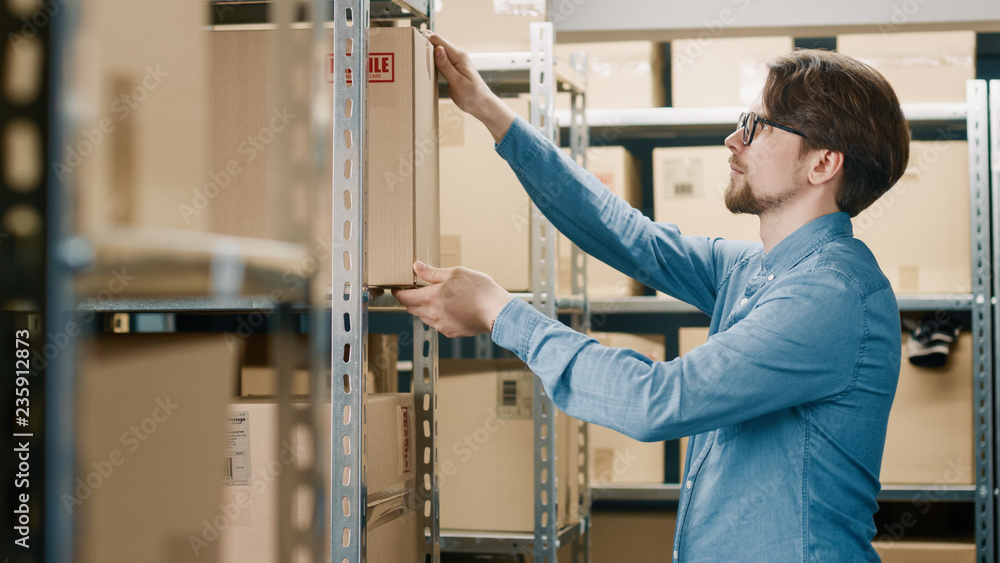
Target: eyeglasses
point(752, 119)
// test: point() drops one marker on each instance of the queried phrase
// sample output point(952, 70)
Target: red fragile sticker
point(381, 68)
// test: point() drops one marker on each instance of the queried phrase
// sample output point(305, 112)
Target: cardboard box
point(689, 183)
point(632, 536)
point(688, 188)
point(149, 445)
point(923, 67)
point(258, 377)
point(930, 203)
point(488, 26)
point(925, 552)
point(257, 454)
point(486, 448)
point(619, 171)
point(620, 74)
point(402, 173)
point(688, 339)
point(614, 457)
point(722, 71)
point(929, 439)
point(403, 207)
point(930, 435)
point(140, 91)
point(485, 212)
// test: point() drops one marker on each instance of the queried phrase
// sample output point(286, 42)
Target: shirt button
point(771, 277)
point(675, 555)
point(689, 484)
point(743, 301)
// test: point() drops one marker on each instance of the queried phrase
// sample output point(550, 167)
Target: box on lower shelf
point(929, 440)
point(258, 455)
point(150, 429)
point(925, 552)
point(614, 457)
point(486, 452)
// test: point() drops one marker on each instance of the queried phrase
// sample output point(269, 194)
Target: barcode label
point(509, 396)
point(237, 449)
point(683, 188)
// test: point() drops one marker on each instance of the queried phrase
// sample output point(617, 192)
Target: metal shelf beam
point(456, 541)
point(671, 492)
point(611, 124)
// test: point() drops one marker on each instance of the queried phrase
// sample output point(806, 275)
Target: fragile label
point(381, 68)
point(237, 449)
point(404, 423)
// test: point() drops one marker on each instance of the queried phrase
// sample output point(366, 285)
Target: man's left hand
point(458, 301)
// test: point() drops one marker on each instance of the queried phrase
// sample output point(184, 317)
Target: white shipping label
point(514, 395)
point(404, 422)
point(237, 449)
point(519, 7)
point(680, 178)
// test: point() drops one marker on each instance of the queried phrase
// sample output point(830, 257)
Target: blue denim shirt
point(788, 400)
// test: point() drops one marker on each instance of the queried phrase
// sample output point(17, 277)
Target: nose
point(735, 141)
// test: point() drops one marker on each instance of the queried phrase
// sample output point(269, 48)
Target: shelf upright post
point(425, 376)
point(542, 87)
point(977, 127)
point(292, 174)
point(989, 407)
point(36, 292)
point(349, 306)
point(579, 142)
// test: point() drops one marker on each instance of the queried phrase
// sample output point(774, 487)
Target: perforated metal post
point(977, 126)
point(349, 308)
point(579, 141)
point(542, 86)
point(35, 285)
point(425, 376)
point(292, 174)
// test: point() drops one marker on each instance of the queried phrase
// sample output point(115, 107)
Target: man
point(789, 399)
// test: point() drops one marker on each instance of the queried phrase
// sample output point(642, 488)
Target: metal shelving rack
point(682, 122)
point(540, 74)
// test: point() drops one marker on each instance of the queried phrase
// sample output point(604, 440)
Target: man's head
point(844, 118)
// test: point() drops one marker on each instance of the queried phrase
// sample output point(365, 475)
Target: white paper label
point(237, 449)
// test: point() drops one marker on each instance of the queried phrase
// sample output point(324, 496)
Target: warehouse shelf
point(659, 305)
point(671, 492)
point(172, 263)
point(671, 122)
point(386, 303)
point(454, 541)
point(510, 73)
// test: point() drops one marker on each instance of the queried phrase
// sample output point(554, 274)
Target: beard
point(746, 199)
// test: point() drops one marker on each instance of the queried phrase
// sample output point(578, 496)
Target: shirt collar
point(805, 240)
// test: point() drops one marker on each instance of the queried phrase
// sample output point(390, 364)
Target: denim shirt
point(788, 400)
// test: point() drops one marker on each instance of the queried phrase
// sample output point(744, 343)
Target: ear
point(825, 166)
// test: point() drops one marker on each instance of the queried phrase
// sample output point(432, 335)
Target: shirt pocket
point(727, 433)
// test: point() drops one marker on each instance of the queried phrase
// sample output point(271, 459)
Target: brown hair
point(845, 106)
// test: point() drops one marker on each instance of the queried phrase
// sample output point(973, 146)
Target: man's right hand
point(468, 90)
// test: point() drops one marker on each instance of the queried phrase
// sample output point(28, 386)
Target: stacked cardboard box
point(497, 238)
point(486, 452)
point(925, 552)
point(923, 67)
point(149, 439)
point(722, 71)
point(614, 457)
point(488, 26)
point(257, 456)
point(402, 174)
point(689, 183)
point(620, 74)
point(929, 440)
point(619, 171)
point(140, 150)
point(632, 536)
